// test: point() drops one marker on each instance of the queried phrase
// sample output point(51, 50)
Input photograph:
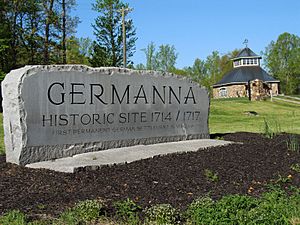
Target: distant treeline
point(42, 32)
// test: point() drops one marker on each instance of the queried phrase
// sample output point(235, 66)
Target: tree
point(213, 67)
point(77, 50)
point(226, 64)
point(198, 71)
point(20, 20)
point(50, 17)
point(151, 63)
point(108, 50)
point(5, 37)
point(57, 26)
point(282, 58)
point(67, 26)
point(85, 45)
point(99, 56)
point(166, 58)
point(31, 32)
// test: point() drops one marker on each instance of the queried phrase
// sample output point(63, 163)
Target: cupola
point(246, 58)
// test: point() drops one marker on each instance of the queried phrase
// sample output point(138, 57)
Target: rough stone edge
point(12, 121)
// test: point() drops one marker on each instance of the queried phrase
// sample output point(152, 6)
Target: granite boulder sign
point(52, 112)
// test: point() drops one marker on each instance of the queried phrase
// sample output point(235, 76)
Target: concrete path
point(292, 97)
point(286, 100)
point(94, 160)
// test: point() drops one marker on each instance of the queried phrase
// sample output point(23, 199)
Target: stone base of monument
point(95, 160)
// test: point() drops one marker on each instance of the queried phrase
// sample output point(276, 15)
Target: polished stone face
point(66, 110)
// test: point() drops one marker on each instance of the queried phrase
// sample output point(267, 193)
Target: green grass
point(230, 115)
point(2, 148)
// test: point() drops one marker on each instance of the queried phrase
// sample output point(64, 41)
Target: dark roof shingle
point(245, 73)
point(246, 53)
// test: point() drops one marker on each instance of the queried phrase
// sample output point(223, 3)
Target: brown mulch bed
point(176, 179)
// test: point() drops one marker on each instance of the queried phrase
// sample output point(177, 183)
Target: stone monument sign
point(57, 111)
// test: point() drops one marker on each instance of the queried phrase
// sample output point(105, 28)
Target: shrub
point(127, 211)
point(14, 217)
point(198, 209)
point(274, 207)
point(85, 211)
point(231, 209)
point(88, 210)
point(162, 214)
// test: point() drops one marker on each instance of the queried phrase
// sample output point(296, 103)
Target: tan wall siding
point(233, 91)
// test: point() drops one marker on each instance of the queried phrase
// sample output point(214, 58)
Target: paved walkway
point(94, 160)
point(286, 100)
point(292, 97)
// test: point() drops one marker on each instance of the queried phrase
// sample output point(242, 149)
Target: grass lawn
point(230, 115)
point(2, 149)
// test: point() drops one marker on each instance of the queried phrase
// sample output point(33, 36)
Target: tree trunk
point(49, 12)
point(64, 32)
point(14, 37)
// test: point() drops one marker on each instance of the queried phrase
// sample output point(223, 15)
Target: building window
point(223, 92)
point(237, 63)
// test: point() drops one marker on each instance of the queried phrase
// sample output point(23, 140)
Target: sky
point(196, 28)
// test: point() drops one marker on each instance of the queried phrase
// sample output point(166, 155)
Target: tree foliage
point(164, 59)
point(212, 69)
point(205, 72)
point(151, 63)
point(282, 58)
point(78, 50)
point(31, 31)
point(108, 49)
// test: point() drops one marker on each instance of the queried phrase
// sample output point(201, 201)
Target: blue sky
point(198, 27)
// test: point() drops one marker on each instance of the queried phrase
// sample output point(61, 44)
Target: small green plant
point(292, 143)
point(270, 130)
point(295, 167)
point(41, 206)
point(210, 175)
point(162, 214)
point(201, 202)
point(14, 217)
point(69, 217)
point(82, 212)
point(127, 211)
point(197, 207)
point(283, 179)
point(88, 210)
